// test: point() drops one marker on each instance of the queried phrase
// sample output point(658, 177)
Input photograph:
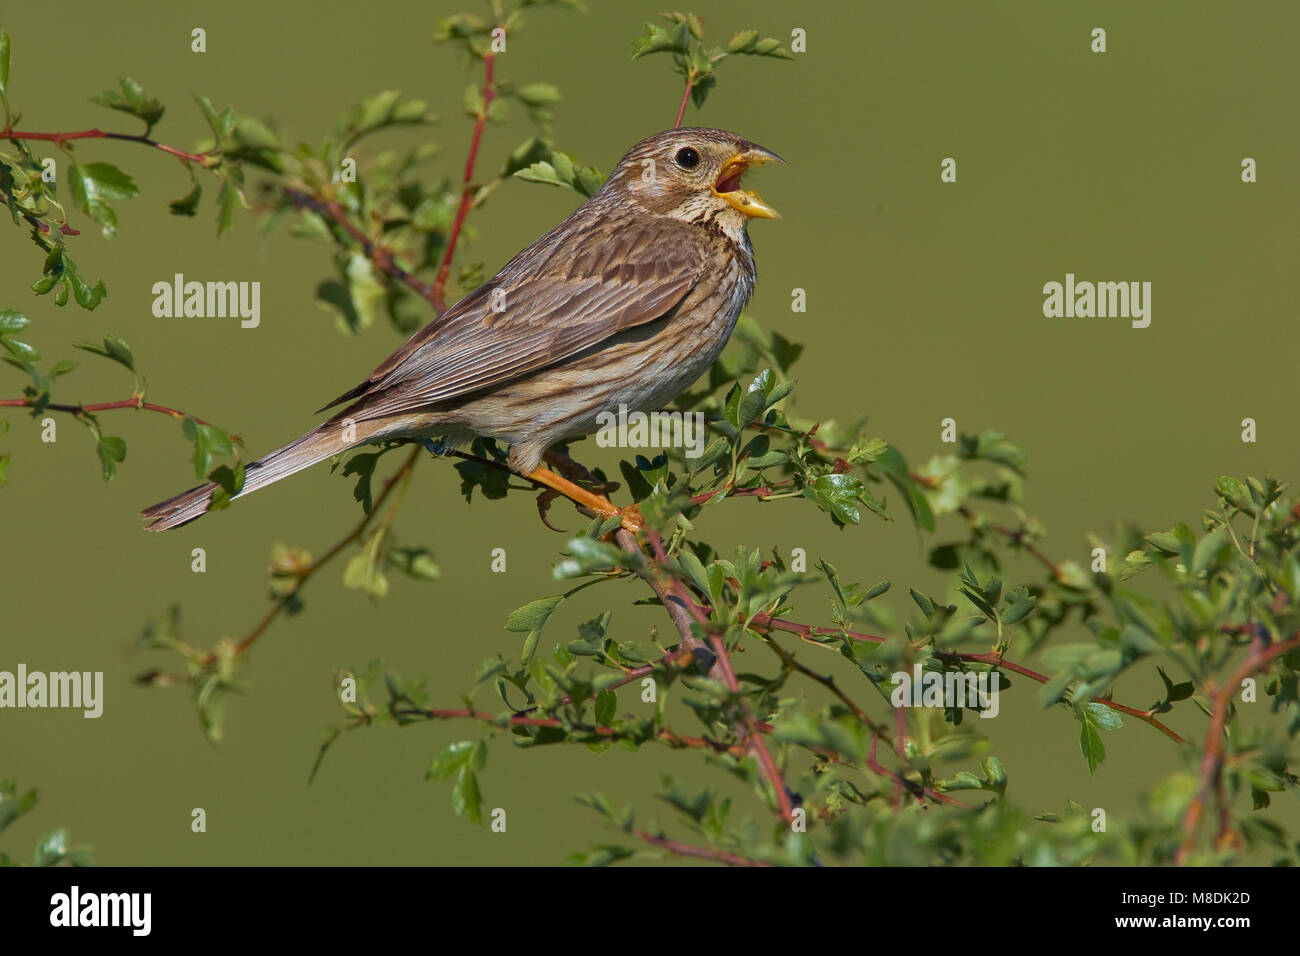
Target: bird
point(627, 301)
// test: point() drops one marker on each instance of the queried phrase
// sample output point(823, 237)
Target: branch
point(1212, 759)
point(672, 594)
point(686, 96)
point(1016, 536)
point(761, 621)
point(467, 190)
point(521, 720)
point(402, 474)
point(698, 852)
point(101, 407)
point(58, 139)
point(33, 219)
point(378, 254)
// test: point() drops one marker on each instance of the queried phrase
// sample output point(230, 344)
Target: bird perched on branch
point(628, 301)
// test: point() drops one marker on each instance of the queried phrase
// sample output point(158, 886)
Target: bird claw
point(544, 505)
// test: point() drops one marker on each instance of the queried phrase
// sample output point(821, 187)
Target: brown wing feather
point(610, 280)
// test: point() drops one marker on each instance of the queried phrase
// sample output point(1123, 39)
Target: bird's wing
point(559, 298)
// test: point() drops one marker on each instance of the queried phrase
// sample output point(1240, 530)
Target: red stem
point(103, 407)
point(698, 852)
point(379, 255)
point(686, 96)
point(467, 191)
point(765, 760)
point(808, 631)
point(60, 138)
point(1212, 760)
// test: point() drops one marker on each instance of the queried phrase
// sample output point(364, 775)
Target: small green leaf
point(112, 451)
point(187, 205)
point(452, 759)
point(606, 702)
point(533, 616)
point(4, 62)
point(113, 348)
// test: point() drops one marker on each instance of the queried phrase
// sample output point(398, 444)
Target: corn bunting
point(626, 302)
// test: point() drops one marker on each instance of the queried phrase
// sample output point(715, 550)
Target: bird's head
point(694, 174)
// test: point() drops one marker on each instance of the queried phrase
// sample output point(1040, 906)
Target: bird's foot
point(590, 501)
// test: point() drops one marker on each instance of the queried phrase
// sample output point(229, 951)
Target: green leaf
point(1095, 717)
point(187, 205)
point(112, 451)
point(1094, 751)
point(220, 123)
point(51, 848)
point(587, 557)
point(538, 94)
point(534, 615)
point(417, 563)
point(1209, 550)
point(466, 797)
point(4, 62)
point(1103, 716)
point(661, 40)
point(228, 201)
point(131, 98)
point(694, 570)
point(12, 804)
point(113, 348)
point(606, 702)
point(209, 442)
point(364, 570)
point(452, 759)
point(92, 186)
point(229, 482)
point(12, 320)
point(742, 42)
point(838, 495)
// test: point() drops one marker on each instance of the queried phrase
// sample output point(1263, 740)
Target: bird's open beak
point(727, 185)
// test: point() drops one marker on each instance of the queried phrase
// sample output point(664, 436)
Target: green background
point(924, 302)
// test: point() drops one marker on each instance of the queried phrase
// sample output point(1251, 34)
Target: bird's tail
point(330, 439)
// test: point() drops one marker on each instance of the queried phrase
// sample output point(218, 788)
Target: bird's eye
point(687, 158)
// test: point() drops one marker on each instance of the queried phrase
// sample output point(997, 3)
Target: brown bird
point(628, 301)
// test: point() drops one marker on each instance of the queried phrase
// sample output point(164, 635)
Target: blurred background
point(924, 302)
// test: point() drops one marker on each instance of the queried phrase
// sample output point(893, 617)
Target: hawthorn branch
point(1212, 759)
point(686, 98)
point(101, 407)
point(671, 593)
point(58, 139)
point(401, 475)
point(467, 188)
point(1015, 535)
point(675, 740)
point(379, 255)
point(33, 219)
point(808, 632)
point(697, 852)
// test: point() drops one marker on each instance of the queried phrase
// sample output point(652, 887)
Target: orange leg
point(597, 504)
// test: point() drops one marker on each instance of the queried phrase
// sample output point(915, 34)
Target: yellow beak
point(727, 186)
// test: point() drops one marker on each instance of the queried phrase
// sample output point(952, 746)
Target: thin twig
point(686, 96)
point(698, 852)
point(1212, 759)
point(378, 254)
point(58, 139)
point(101, 407)
point(467, 189)
point(403, 472)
